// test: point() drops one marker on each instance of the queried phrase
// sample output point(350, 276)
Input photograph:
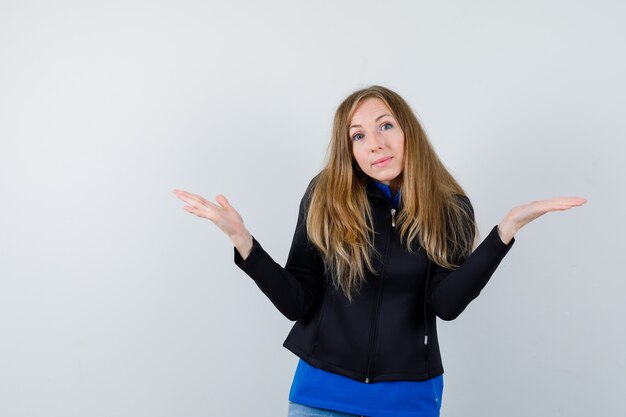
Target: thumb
point(223, 201)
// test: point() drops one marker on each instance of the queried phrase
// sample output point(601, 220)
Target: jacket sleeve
point(296, 288)
point(450, 291)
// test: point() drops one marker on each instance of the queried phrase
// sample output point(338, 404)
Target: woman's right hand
point(223, 215)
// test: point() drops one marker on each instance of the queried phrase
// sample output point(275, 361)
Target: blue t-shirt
point(318, 388)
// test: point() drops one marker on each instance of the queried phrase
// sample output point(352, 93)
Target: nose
point(377, 142)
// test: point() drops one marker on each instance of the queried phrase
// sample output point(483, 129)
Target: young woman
point(384, 244)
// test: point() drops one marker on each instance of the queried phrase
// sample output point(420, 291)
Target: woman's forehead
point(369, 108)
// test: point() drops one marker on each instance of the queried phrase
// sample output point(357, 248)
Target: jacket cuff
point(496, 240)
point(253, 257)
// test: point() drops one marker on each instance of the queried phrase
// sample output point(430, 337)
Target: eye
point(387, 124)
point(357, 136)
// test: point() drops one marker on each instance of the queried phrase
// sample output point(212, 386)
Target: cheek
point(400, 146)
point(358, 156)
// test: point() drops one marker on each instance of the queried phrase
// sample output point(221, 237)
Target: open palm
point(222, 214)
point(524, 214)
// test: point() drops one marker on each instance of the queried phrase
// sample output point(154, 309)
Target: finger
point(569, 199)
point(193, 200)
point(558, 204)
point(571, 202)
point(191, 210)
point(223, 201)
point(178, 191)
point(201, 213)
point(578, 201)
point(198, 198)
point(190, 196)
point(189, 199)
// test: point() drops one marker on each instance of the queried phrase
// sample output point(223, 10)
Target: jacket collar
point(383, 192)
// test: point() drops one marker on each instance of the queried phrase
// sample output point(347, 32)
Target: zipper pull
point(393, 217)
point(367, 380)
point(426, 339)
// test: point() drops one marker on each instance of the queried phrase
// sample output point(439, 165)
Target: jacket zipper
point(382, 274)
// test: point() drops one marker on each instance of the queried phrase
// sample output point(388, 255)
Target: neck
point(395, 184)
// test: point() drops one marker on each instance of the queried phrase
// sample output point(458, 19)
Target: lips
point(383, 159)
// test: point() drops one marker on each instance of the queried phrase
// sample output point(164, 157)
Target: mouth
point(382, 161)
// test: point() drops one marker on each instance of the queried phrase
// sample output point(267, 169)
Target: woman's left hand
point(520, 216)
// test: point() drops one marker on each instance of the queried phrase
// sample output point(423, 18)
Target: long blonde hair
point(435, 210)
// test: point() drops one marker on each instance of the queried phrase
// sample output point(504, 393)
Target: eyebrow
point(377, 119)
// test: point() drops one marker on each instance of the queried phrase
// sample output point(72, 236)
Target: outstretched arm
point(294, 289)
point(450, 291)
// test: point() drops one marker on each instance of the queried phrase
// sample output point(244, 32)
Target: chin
point(385, 178)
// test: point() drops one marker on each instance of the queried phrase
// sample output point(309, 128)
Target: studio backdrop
point(116, 302)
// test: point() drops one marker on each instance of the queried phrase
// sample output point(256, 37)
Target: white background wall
point(116, 302)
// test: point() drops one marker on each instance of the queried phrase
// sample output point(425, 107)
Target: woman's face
point(377, 140)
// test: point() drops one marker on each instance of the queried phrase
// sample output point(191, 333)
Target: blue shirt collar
point(387, 190)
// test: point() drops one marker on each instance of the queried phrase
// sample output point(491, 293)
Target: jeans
point(300, 410)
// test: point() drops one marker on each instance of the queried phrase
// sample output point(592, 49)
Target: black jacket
point(388, 332)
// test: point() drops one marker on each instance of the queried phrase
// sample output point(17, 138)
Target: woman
point(384, 244)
